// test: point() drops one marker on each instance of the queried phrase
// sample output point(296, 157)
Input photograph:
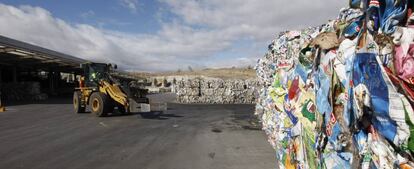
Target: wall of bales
point(22, 91)
point(341, 95)
point(215, 91)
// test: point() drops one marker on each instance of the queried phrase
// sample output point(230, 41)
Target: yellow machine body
point(114, 92)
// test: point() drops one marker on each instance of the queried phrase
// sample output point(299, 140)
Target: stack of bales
point(22, 91)
point(341, 95)
point(215, 91)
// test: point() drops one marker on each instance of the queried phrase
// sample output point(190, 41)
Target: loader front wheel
point(123, 110)
point(77, 102)
point(98, 104)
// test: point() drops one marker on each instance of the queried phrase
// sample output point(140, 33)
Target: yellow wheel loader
point(102, 93)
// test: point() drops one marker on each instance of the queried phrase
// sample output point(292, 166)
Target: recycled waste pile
point(22, 91)
point(341, 95)
point(215, 90)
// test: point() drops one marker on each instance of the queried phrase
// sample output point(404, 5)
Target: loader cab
point(94, 72)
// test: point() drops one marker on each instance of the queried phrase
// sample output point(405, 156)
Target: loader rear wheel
point(77, 103)
point(121, 109)
point(99, 104)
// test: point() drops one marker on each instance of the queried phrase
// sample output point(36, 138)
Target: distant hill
point(224, 73)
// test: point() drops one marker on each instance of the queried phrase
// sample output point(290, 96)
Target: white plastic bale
point(216, 91)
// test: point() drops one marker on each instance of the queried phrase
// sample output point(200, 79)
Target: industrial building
point(29, 72)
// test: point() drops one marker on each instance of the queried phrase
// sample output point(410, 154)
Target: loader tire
point(77, 103)
point(122, 110)
point(99, 104)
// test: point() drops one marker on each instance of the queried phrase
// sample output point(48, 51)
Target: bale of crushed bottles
point(215, 90)
point(22, 91)
point(341, 95)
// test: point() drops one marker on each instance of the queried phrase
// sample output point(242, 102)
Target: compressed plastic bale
point(332, 79)
point(23, 91)
point(217, 91)
point(326, 40)
point(404, 53)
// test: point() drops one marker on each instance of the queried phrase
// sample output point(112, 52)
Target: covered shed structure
point(30, 72)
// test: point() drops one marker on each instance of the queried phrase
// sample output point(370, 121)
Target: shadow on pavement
point(155, 115)
point(158, 115)
point(51, 100)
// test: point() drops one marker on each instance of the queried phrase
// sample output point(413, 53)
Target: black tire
point(122, 109)
point(99, 104)
point(147, 100)
point(77, 102)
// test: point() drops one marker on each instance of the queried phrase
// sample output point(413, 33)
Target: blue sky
point(106, 14)
point(161, 35)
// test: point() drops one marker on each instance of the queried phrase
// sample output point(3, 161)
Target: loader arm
point(114, 92)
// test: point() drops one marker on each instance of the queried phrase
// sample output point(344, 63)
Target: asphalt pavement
point(49, 135)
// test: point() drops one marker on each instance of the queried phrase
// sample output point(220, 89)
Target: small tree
point(190, 68)
point(155, 82)
point(166, 83)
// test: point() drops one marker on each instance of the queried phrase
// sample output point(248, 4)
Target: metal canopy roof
point(18, 53)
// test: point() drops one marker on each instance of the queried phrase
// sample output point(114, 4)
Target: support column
point(57, 78)
point(14, 74)
point(50, 77)
point(2, 108)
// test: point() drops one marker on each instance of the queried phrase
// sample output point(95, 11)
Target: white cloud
point(257, 19)
point(87, 14)
point(132, 5)
point(199, 30)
